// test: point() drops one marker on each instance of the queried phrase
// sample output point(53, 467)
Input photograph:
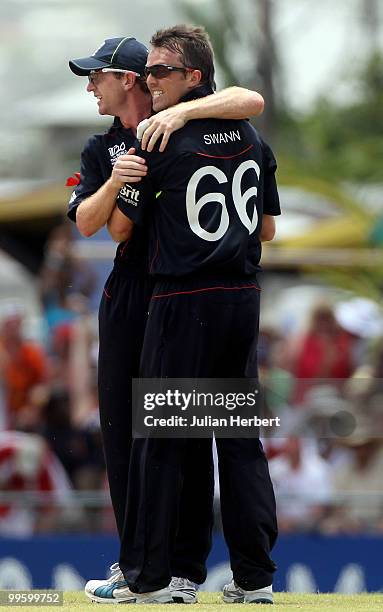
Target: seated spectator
point(24, 371)
point(362, 319)
point(77, 445)
point(324, 352)
point(360, 480)
point(278, 381)
point(27, 465)
point(65, 281)
point(302, 485)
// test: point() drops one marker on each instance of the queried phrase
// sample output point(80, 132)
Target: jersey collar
point(197, 92)
point(116, 123)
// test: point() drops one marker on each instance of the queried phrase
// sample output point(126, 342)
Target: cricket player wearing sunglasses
point(117, 79)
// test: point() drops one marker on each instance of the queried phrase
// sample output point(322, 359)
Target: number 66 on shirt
point(194, 206)
point(211, 200)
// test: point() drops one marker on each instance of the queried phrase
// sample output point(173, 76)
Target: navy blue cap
point(126, 53)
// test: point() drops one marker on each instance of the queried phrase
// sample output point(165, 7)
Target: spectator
point(324, 352)
point(27, 464)
point(24, 371)
point(360, 478)
point(274, 373)
point(302, 485)
point(362, 318)
point(65, 282)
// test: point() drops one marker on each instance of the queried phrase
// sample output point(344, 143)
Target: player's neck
point(137, 108)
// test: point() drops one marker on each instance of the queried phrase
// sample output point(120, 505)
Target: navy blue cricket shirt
point(97, 160)
point(204, 198)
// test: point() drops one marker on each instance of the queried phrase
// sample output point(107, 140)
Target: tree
point(224, 20)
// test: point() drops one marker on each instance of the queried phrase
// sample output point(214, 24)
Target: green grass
point(211, 602)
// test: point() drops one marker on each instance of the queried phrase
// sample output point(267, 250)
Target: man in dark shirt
point(216, 201)
point(115, 72)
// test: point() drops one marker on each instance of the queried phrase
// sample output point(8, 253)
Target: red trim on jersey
point(107, 294)
point(161, 295)
point(225, 156)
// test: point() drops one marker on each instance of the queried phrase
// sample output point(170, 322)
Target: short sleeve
point(91, 176)
point(136, 200)
point(271, 205)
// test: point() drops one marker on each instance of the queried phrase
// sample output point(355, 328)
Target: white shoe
point(125, 595)
point(102, 590)
point(183, 590)
point(115, 590)
point(232, 593)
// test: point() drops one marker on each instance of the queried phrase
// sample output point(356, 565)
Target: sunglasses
point(92, 76)
point(161, 71)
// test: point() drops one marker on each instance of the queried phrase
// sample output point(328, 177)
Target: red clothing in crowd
point(23, 369)
point(322, 357)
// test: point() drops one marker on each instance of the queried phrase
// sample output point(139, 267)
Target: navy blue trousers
point(196, 330)
point(123, 316)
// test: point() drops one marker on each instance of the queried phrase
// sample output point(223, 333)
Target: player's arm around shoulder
point(230, 103)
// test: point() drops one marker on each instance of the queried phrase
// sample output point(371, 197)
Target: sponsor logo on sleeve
point(116, 151)
point(130, 195)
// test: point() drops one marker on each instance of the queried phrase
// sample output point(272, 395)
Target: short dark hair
point(194, 46)
point(140, 81)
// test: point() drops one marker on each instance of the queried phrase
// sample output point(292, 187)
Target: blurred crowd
point(49, 435)
point(325, 381)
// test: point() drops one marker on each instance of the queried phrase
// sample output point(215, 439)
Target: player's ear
point(195, 77)
point(129, 79)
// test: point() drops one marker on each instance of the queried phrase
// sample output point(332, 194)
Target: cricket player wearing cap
point(217, 200)
point(116, 79)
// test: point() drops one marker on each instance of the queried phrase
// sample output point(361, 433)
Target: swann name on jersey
point(222, 137)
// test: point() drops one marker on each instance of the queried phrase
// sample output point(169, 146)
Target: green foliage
point(319, 150)
point(336, 142)
point(362, 282)
point(221, 24)
point(291, 176)
point(341, 142)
